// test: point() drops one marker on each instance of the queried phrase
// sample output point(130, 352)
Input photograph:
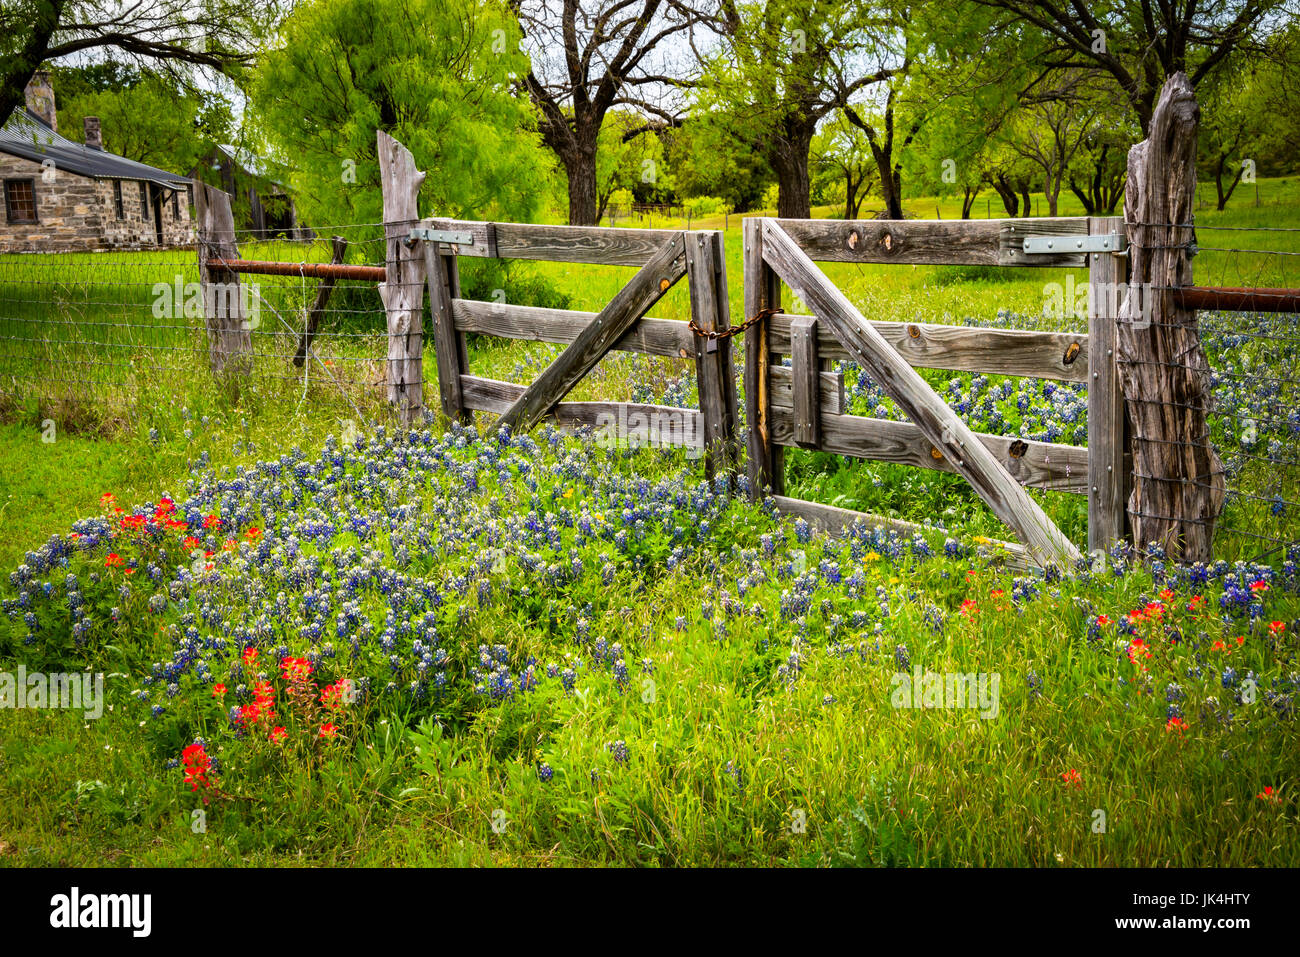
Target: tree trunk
point(1218, 182)
point(790, 162)
point(1010, 202)
point(1179, 485)
point(1025, 204)
point(851, 202)
point(580, 168)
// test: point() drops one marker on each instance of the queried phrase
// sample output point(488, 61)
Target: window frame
point(30, 183)
point(144, 201)
point(119, 203)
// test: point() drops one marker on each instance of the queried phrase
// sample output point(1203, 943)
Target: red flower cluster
point(336, 695)
point(197, 764)
point(261, 708)
point(296, 669)
point(1072, 778)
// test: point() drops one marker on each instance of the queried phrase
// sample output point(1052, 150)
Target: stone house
point(62, 196)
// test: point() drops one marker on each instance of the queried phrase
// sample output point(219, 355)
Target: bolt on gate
point(811, 413)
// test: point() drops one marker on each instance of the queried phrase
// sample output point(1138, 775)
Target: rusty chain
point(759, 316)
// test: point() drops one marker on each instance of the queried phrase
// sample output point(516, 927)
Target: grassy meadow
point(349, 647)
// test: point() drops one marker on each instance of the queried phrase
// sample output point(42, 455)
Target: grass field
point(553, 653)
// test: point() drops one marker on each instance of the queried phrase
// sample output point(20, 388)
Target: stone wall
point(78, 213)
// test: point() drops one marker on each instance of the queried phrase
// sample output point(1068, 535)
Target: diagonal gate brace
point(632, 302)
point(1003, 494)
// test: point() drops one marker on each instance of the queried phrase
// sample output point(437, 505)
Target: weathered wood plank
point(403, 291)
point(928, 411)
point(1106, 414)
point(1019, 352)
point(569, 244)
point(833, 519)
point(446, 341)
point(230, 343)
point(619, 424)
point(833, 400)
point(655, 337)
point(324, 288)
point(715, 368)
point(765, 460)
point(960, 242)
point(805, 381)
point(654, 279)
point(1062, 468)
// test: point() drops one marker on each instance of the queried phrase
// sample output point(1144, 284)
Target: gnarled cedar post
point(230, 343)
point(1178, 480)
point(402, 291)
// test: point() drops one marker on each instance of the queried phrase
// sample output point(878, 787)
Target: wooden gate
point(663, 258)
point(811, 413)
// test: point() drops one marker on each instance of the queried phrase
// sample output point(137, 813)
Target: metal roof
point(29, 138)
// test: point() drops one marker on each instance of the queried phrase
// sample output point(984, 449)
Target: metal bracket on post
point(1059, 245)
point(451, 238)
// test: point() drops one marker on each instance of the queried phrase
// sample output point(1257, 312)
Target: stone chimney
point(94, 138)
point(40, 99)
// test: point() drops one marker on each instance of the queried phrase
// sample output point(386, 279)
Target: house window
point(20, 200)
point(176, 205)
point(117, 199)
point(144, 202)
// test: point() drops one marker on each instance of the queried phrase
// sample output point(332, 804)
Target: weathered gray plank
point(1106, 414)
point(959, 242)
point(1019, 352)
point(656, 337)
point(230, 343)
point(928, 411)
point(403, 291)
point(569, 244)
point(833, 519)
point(1062, 468)
point(833, 401)
point(623, 423)
point(324, 288)
point(715, 369)
point(654, 279)
point(765, 459)
point(446, 341)
point(805, 381)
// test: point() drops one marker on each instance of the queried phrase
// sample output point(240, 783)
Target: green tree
point(150, 120)
point(219, 35)
point(782, 68)
point(434, 74)
point(707, 161)
point(842, 164)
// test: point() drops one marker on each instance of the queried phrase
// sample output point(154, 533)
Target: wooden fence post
point(766, 459)
point(448, 344)
point(706, 270)
point(402, 291)
point(1108, 479)
point(230, 343)
point(1179, 483)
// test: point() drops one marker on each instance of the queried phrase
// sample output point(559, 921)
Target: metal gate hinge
point(1064, 245)
point(443, 236)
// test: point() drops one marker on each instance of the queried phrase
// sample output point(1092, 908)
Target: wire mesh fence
point(1253, 420)
point(113, 329)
